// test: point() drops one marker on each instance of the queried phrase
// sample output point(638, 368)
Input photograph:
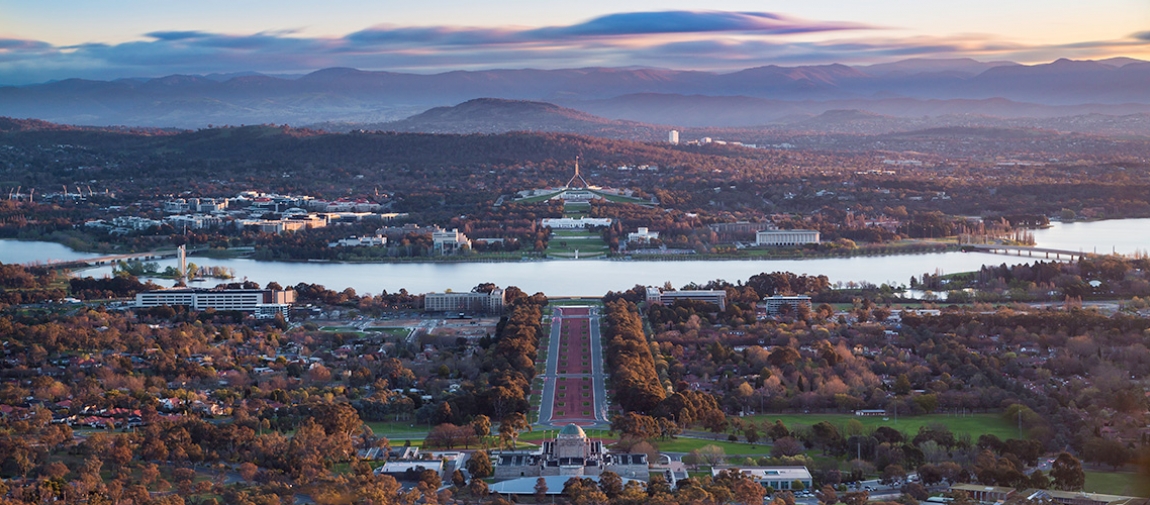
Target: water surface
point(595, 277)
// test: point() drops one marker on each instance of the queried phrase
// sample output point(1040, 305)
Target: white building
point(643, 235)
point(576, 195)
point(779, 478)
point(193, 221)
point(715, 296)
point(448, 241)
point(264, 303)
point(375, 241)
point(786, 237)
point(134, 222)
point(774, 303)
point(405, 468)
point(570, 454)
point(294, 222)
point(491, 303)
point(209, 205)
point(673, 137)
point(568, 223)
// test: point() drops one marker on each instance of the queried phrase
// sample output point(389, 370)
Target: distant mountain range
point(496, 115)
point(741, 111)
point(756, 96)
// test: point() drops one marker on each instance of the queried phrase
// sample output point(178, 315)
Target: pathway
point(574, 383)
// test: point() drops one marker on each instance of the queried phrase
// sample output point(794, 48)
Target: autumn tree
point(610, 483)
point(635, 425)
point(1066, 473)
point(479, 465)
point(827, 495)
point(482, 425)
point(540, 489)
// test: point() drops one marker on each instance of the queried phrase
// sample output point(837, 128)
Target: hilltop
point(495, 115)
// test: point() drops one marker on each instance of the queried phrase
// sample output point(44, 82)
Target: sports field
point(1118, 483)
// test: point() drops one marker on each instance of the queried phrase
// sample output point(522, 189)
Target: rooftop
point(768, 472)
point(526, 485)
point(572, 430)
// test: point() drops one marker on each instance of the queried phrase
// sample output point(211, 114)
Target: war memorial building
point(570, 454)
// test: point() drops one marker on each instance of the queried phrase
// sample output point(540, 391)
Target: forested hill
point(280, 158)
point(295, 146)
point(494, 115)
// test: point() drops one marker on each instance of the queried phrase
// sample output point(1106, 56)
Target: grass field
point(398, 429)
point(587, 243)
point(1119, 483)
point(569, 234)
point(394, 331)
point(973, 424)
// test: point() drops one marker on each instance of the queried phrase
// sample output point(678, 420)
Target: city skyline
point(57, 40)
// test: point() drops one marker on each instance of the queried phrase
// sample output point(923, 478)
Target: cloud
point(648, 23)
point(703, 40)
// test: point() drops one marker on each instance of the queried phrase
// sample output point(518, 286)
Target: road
point(547, 405)
point(598, 369)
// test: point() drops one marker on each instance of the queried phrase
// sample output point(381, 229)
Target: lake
point(596, 277)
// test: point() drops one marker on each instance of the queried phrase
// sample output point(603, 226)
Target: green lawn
point(406, 429)
point(974, 424)
point(394, 331)
point(1119, 483)
point(571, 233)
point(576, 238)
point(351, 329)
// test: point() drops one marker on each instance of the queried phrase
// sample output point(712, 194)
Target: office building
point(779, 478)
point(985, 494)
point(642, 236)
point(715, 296)
point(263, 303)
point(786, 237)
point(739, 231)
point(487, 303)
point(376, 241)
point(449, 241)
point(773, 304)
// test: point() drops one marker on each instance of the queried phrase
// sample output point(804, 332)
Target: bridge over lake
point(104, 260)
point(1014, 250)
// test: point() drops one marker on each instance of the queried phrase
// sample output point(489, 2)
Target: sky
point(107, 39)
